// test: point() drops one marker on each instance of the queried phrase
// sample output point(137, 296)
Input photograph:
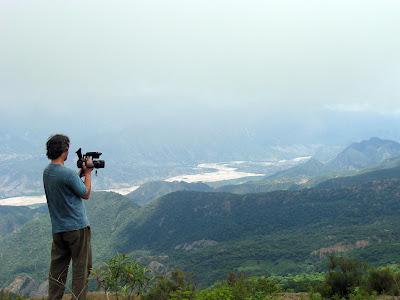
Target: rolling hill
point(155, 189)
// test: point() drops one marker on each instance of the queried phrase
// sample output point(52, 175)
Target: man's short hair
point(56, 145)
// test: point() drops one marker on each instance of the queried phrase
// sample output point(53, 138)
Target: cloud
point(363, 108)
point(350, 107)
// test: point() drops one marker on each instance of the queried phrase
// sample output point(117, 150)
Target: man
point(70, 226)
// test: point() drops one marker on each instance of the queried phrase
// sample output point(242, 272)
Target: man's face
point(66, 154)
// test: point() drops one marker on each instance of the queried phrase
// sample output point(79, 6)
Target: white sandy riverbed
point(222, 172)
point(32, 200)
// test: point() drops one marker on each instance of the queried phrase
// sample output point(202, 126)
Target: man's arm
point(87, 172)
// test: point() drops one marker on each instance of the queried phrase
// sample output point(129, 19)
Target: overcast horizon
point(282, 71)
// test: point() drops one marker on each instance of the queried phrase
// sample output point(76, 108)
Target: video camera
point(97, 163)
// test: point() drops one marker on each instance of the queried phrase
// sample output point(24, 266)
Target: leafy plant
point(178, 286)
point(9, 296)
point(122, 275)
point(361, 294)
point(344, 275)
point(217, 292)
point(241, 287)
point(381, 280)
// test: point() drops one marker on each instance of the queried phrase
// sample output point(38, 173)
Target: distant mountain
point(288, 179)
point(155, 189)
point(260, 186)
point(298, 177)
point(12, 217)
point(364, 154)
point(389, 163)
point(372, 176)
point(309, 169)
point(21, 176)
point(357, 156)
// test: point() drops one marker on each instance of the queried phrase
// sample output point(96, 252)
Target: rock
point(340, 247)
point(196, 245)
point(157, 268)
point(41, 291)
point(22, 285)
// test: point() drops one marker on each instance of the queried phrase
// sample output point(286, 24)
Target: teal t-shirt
point(64, 190)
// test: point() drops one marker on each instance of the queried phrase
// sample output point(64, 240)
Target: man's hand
point(87, 166)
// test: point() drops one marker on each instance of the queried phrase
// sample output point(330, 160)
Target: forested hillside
point(27, 249)
point(211, 233)
point(154, 189)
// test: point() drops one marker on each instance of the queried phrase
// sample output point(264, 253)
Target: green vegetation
point(345, 279)
point(122, 275)
point(212, 234)
point(191, 216)
point(371, 176)
point(150, 191)
point(13, 217)
point(27, 250)
point(178, 285)
point(9, 296)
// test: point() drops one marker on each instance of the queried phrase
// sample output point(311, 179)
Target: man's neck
point(57, 161)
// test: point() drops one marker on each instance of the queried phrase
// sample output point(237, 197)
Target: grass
point(95, 296)
point(282, 296)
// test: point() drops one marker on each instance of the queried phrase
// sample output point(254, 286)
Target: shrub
point(300, 282)
point(314, 296)
point(122, 275)
point(240, 287)
point(381, 281)
point(361, 294)
point(343, 276)
point(179, 286)
point(218, 292)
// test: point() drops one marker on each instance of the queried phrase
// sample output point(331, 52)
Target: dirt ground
point(284, 296)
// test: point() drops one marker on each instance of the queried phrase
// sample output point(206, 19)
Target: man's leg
point(89, 252)
point(60, 258)
point(81, 262)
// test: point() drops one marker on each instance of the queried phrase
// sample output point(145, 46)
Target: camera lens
point(99, 164)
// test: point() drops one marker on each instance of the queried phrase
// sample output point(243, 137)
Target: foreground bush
point(382, 281)
point(343, 276)
point(238, 287)
point(178, 286)
point(122, 275)
point(300, 282)
point(345, 279)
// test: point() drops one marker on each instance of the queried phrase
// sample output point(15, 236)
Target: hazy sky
point(169, 64)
